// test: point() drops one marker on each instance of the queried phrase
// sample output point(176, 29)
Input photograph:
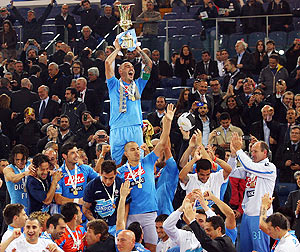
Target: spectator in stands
point(46, 109)
point(283, 23)
point(105, 25)
point(269, 75)
point(244, 89)
point(244, 59)
point(29, 131)
point(66, 66)
point(270, 47)
point(97, 84)
point(88, 97)
point(252, 8)
point(174, 57)
point(35, 77)
point(8, 40)
point(43, 64)
point(87, 40)
point(59, 54)
point(32, 27)
point(6, 15)
point(56, 82)
point(149, 18)
point(99, 63)
point(95, 147)
point(282, 104)
point(164, 69)
point(19, 74)
point(65, 135)
point(87, 15)
point(208, 10)
point(68, 108)
point(220, 63)
point(7, 116)
point(294, 84)
point(223, 134)
point(65, 21)
point(185, 65)
point(77, 70)
point(4, 146)
point(23, 98)
point(228, 8)
point(207, 68)
point(233, 74)
point(292, 55)
point(155, 117)
point(51, 136)
point(287, 158)
point(5, 87)
point(183, 102)
point(199, 93)
point(225, 55)
point(260, 56)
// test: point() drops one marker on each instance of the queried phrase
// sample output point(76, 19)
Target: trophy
point(127, 39)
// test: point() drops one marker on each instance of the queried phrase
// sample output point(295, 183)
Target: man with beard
point(55, 226)
point(31, 242)
point(155, 117)
point(65, 135)
point(165, 242)
point(125, 104)
point(39, 188)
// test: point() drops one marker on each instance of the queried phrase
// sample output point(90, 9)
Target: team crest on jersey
point(69, 180)
point(251, 181)
point(127, 175)
point(104, 208)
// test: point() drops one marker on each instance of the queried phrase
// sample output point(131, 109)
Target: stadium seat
point(193, 9)
point(171, 100)
point(291, 37)
point(147, 105)
point(176, 91)
point(253, 37)
point(233, 38)
point(280, 39)
point(23, 11)
point(107, 106)
point(283, 190)
point(160, 92)
point(190, 82)
point(47, 36)
point(144, 114)
point(196, 42)
point(170, 82)
point(189, 30)
point(171, 16)
point(181, 10)
point(105, 118)
point(172, 30)
point(177, 41)
point(223, 39)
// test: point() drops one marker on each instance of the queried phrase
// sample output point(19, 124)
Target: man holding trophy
point(125, 93)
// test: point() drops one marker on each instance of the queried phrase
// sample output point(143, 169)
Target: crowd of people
point(77, 176)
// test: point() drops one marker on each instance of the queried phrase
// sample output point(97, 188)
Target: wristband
point(76, 201)
point(101, 156)
point(215, 159)
point(145, 76)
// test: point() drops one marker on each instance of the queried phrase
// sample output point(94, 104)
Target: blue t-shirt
point(102, 207)
point(37, 193)
point(16, 190)
point(133, 115)
point(166, 186)
point(64, 187)
point(232, 233)
point(143, 199)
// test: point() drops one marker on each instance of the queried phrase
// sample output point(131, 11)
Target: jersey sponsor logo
point(80, 179)
point(127, 175)
point(251, 181)
point(250, 193)
point(104, 208)
point(78, 188)
point(132, 183)
point(195, 250)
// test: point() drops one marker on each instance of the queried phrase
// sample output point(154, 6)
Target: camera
point(245, 80)
point(280, 82)
point(101, 136)
point(85, 116)
point(58, 121)
point(200, 104)
point(246, 138)
point(31, 41)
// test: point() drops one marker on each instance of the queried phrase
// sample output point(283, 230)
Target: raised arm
point(167, 120)
point(109, 71)
point(147, 61)
point(15, 178)
point(50, 195)
point(121, 212)
point(266, 202)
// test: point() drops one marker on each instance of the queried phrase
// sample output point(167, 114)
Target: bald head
point(125, 241)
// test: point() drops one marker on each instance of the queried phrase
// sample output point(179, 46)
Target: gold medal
point(133, 98)
point(75, 192)
point(114, 206)
point(140, 186)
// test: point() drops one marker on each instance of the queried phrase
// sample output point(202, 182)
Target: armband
point(145, 76)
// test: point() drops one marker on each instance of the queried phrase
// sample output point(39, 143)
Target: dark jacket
point(33, 29)
point(211, 12)
point(9, 38)
point(62, 24)
point(103, 246)
point(248, 64)
point(51, 110)
point(58, 85)
point(91, 43)
point(4, 146)
point(104, 25)
point(88, 17)
point(250, 25)
point(212, 69)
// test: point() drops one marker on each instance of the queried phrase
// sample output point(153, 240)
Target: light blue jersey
point(144, 198)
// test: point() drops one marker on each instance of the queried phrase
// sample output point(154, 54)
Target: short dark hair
point(161, 96)
point(68, 210)
point(224, 116)
point(10, 211)
point(203, 164)
point(278, 220)
point(205, 52)
point(54, 219)
point(217, 221)
point(270, 41)
point(274, 56)
point(65, 116)
point(68, 58)
point(201, 211)
point(136, 228)
point(38, 159)
point(66, 147)
point(232, 61)
point(99, 227)
point(220, 152)
point(86, 1)
point(35, 69)
point(18, 149)
point(73, 91)
point(161, 218)
point(5, 82)
point(108, 166)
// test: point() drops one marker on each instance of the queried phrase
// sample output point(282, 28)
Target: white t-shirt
point(213, 184)
point(288, 243)
point(24, 246)
point(8, 234)
point(163, 246)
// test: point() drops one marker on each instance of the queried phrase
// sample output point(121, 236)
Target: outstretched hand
point(170, 112)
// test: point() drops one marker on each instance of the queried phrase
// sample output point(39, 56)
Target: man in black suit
point(164, 69)
point(293, 203)
point(97, 84)
point(245, 61)
point(45, 109)
point(23, 98)
point(64, 20)
point(99, 63)
point(65, 68)
point(35, 73)
point(89, 97)
point(19, 73)
point(155, 117)
point(282, 104)
point(233, 74)
point(213, 238)
point(4, 84)
point(199, 94)
point(207, 68)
